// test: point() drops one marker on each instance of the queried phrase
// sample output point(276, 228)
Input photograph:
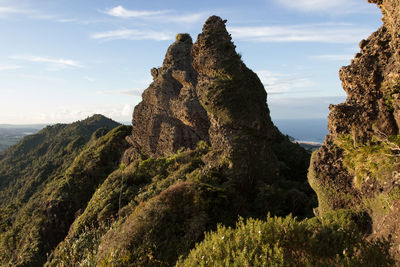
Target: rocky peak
point(218, 43)
point(205, 92)
point(235, 101)
point(169, 116)
point(178, 54)
point(372, 82)
point(225, 83)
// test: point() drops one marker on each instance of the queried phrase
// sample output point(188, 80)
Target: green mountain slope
point(156, 209)
point(47, 178)
point(44, 155)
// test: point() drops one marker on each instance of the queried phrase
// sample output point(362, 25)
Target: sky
point(64, 60)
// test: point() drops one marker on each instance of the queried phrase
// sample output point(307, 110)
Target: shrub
point(332, 240)
point(390, 88)
point(183, 37)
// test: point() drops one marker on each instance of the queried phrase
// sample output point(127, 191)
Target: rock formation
point(170, 116)
point(207, 93)
point(236, 104)
point(357, 165)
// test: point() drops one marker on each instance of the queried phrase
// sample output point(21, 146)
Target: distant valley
point(11, 134)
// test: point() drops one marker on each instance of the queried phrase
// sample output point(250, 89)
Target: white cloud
point(321, 33)
point(328, 6)
point(121, 113)
point(159, 15)
point(120, 11)
point(11, 10)
point(10, 67)
point(90, 79)
point(188, 18)
point(133, 92)
point(338, 57)
point(127, 110)
point(67, 20)
point(54, 63)
point(133, 34)
point(30, 13)
point(276, 83)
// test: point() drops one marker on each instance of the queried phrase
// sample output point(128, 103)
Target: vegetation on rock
point(371, 163)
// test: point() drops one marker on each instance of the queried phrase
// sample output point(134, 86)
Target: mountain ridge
point(203, 173)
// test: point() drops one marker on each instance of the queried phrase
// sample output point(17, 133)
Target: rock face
point(236, 104)
point(170, 116)
point(357, 165)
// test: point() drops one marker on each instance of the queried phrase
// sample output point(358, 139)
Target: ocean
point(304, 130)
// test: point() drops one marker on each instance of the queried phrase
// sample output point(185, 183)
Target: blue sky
point(63, 60)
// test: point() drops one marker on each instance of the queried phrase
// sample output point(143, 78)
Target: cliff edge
point(357, 166)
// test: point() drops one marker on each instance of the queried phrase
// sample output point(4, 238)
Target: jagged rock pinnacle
point(235, 101)
point(170, 116)
point(205, 92)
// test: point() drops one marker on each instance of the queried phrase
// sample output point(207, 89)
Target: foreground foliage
point(335, 239)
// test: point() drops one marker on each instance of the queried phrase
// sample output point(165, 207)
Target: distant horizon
point(129, 122)
point(307, 130)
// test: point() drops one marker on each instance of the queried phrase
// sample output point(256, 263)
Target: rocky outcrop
point(207, 93)
point(170, 116)
point(204, 92)
point(357, 165)
point(235, 100)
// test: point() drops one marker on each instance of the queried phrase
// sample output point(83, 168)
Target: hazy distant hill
point(11, 134)
point(311, 130)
